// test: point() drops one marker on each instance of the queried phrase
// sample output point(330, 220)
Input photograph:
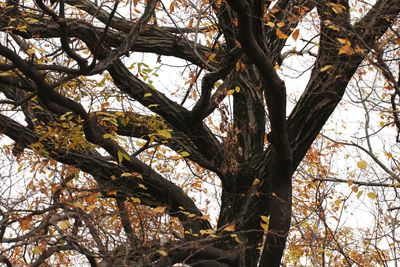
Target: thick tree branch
point(159, 189)
point(275, 94)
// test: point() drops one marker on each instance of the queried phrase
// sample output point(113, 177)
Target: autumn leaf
point(122, 155)
point(280, 34)
point(64, 224)
point(184, 153)
point(270, 24)
point(25, 223)
point(325, 68)
point(159, 209)
point(347, 50)
point(76, 205)
point(372, 195)
point(362, 164)
point(230, 92)
point(229, 228)
point(280, 24)
point(211, 57)
point(136, 200)
point(337, 8)
point(256, 182)
point(172, 7)
point(264, 218)
point(162, 252)
point(164, 133)
point(37, 250)
point(295, 34)
point(264, 226)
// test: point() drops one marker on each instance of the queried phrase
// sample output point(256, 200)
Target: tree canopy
point(153, 133)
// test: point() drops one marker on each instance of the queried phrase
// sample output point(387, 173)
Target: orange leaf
point(230, 228)
point(280, 24)
point(347, 50)
point(25, 223)
point(280, 34)
point(295, 34)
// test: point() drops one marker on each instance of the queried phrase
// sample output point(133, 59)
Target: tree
point(110, 139)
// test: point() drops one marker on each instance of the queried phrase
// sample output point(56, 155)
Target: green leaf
point(126, 156)
point(185, 154)
point(107, 135)
point(120, 156)
point(136, 200)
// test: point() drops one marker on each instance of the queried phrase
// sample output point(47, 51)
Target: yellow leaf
point(135, 200)
point(333, 27)
point(76, 205)
point(280, 34)
point(207, 232)
point(159, 209)
point(237, 89)
point(37, 250)
point(236, 238)
point(142, 186)
point(184, 154)
point(264, 218)
point(230, 92)
point(162, 252)
point(337, 8)
point(31, 185)
point(122, 155)
point(31, 20)
point(325, 68)
point(212, 57)
point(256, 182)
point(91, 207)
point(372, 195)
point(164, 133)
point(22, 28)
point(106, 136)
point(362, 164)
point(64, 224)
point(270, 24)
point(389, 155)
point(264, 226)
